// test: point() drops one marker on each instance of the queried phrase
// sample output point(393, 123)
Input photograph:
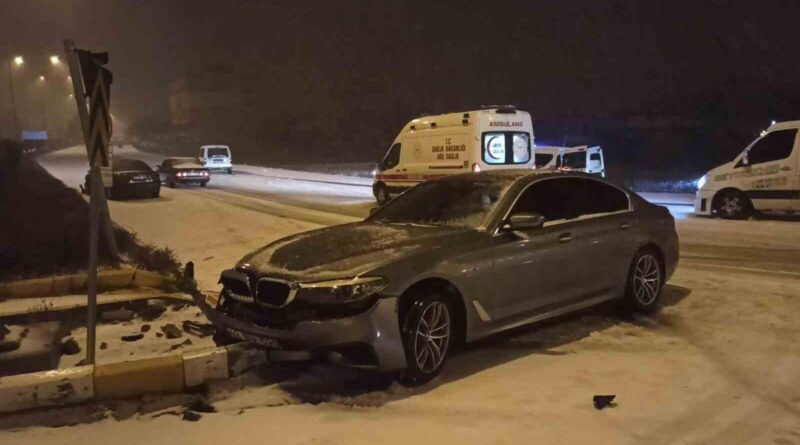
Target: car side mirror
point(525, 221)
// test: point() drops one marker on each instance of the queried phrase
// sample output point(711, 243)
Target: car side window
point(547, 198)
point(392, 158)
point(774, 146)
point(589, 197)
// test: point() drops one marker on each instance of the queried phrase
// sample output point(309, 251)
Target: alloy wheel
point(432, 337)
point(646, 279)
point(731, 205)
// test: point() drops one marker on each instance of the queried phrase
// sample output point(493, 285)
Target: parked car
point(216, 157)
point(431, 147)
point(131, 179)
point(581, 159)
point(450, 261)
point(183, 171)
point(765, 177)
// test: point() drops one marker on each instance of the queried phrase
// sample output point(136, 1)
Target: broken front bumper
point(376, 329)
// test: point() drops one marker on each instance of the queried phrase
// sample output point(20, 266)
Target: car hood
point(714, 178)
point(347, 250)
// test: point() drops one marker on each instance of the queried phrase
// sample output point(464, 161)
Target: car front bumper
point(377, 328)
point(702, 202)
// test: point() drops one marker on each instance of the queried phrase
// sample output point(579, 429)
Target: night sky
point(586, 59)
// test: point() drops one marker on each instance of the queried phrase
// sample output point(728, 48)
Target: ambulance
point(431, 147)
point(765, 177)
point(582, 158)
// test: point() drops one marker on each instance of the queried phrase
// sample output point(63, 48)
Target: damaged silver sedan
point(448, 262)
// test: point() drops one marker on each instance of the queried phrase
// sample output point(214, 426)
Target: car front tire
point(381, 194)
point(733, 204)
point(645, 282)
point(427, 331)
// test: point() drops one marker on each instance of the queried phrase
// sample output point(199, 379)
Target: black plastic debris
point(145, 327)
point(191, 416)
point(171, 331)
point(70, 346)
point(198, 329)
point(601, 401)
point(132, 337)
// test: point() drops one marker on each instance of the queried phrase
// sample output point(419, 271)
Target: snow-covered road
point(719, 364)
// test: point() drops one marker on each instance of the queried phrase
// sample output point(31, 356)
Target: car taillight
point(476, 168)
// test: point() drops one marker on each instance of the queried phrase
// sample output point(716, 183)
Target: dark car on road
point(183, 171)
point(131, 179)
point(450, 261)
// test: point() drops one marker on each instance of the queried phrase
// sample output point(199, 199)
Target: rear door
point(595, 162)
point(605, 221)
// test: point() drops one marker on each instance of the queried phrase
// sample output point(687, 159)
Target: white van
point(216, 157)
point(764, 177)
point(582, 158)
point(430, 147)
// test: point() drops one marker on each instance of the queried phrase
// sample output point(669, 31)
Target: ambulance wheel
point(381, 194)
point(733, 204)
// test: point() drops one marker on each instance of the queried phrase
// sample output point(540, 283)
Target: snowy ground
point(719, 364)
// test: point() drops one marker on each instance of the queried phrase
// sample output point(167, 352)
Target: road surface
point(719, 364)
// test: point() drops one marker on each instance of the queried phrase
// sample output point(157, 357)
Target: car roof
point(518, 175)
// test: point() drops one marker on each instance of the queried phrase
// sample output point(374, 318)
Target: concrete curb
point(69, 284)
point(168, 374)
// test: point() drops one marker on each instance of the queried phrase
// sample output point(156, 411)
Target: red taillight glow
point(476, 168)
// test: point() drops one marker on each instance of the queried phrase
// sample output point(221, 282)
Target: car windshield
point(217, 151)
point(453, 202)
point(574, 160)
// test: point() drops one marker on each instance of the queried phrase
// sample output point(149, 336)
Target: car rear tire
point(230, 171)
point(203, 184)
point(733, 204)
point(645, 282)
point(170, 183)
point(427, 331)
point(381, 193)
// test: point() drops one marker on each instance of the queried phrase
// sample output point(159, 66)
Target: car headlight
point(701, 182)
point(341, 291)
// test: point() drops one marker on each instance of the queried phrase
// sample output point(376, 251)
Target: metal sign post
point(90, 79)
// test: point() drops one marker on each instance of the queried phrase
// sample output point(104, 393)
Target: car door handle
point(624, 226)
point(565, 237)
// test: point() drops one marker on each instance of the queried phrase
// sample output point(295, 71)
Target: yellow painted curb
point(145, 278)
point(71, 284)
point(127, 379)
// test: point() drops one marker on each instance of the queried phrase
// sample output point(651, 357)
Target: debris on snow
point(70, 346)
point(171, 331)
point(198, 329)
point(132, 337)
point(601, 401)
point(191, 416)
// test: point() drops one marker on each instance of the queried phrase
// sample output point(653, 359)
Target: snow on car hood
point(344, 251)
